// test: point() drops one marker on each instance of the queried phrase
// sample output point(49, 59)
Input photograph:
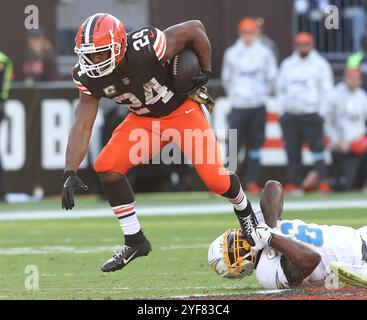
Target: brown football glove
point(202, 96)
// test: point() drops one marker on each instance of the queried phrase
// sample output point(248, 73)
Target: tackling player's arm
point(190, 33)
point(77, 148)
point(271, 202)
point(298, 260)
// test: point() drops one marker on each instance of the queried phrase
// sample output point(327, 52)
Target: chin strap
point(202, 96)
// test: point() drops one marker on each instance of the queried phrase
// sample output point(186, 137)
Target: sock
point(127, 217)
point(121, 199)
point(236, 195)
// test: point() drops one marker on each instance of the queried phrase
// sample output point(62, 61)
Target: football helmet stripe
point(87, 30)
point(93, 24)
point(88, 36)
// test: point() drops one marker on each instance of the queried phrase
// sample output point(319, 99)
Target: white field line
point(54, 250)
point(172, 210)
point(85, 250)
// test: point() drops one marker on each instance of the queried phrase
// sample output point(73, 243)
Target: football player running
point(133, 69)
point(290, 253)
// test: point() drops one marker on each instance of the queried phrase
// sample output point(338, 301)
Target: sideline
point(173, 210)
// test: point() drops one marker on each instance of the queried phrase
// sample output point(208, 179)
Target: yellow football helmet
point(230, 255)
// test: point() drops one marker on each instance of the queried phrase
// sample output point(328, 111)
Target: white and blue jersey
point(333, 243)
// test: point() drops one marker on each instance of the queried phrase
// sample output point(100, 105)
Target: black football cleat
point(248, 224)
point(125, 255)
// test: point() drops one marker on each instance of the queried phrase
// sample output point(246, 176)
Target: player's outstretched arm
point(77, 148)
point(189, 33)
point(298, 260)
point(85, 115)
point(271, 202)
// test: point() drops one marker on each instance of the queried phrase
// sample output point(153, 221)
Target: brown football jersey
point(145, 87)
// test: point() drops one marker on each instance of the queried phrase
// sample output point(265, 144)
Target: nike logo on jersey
point(188, 111)
point(126, 261)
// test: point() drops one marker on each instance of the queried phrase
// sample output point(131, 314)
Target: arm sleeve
point(82, 88)
point(159, 44)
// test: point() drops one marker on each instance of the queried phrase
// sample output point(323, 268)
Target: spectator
point(345, 124)
point(39, 64)
point(355, 18)
point(358, 61)
point(6, 71)
point(248, 75)
point(304, 80)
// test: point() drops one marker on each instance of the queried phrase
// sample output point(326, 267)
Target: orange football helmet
point(100, 32)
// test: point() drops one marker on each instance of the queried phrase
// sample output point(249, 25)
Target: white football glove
point(262, 236)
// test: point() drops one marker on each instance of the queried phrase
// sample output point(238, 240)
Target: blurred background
point(312, 79)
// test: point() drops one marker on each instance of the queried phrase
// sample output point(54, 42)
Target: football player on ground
point(133, 69)
point(290, 253)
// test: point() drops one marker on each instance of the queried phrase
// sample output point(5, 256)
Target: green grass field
point(69, 253)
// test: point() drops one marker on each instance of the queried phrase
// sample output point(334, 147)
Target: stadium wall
point(35, 134)
point(221, 18)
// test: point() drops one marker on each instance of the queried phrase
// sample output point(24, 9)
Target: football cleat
point(125, 255)
point(355, 275)
point(248, 224)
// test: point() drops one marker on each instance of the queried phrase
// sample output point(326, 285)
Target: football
point(184, 66)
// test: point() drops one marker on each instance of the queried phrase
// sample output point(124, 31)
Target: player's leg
point(272, 202)
point(363, 232)
point(293, 143)
point(355, 275)
point(314, 135)
point(339, 160)
point(200, 146)
point(129, 145)
point(238, 120)
point(256, 139)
